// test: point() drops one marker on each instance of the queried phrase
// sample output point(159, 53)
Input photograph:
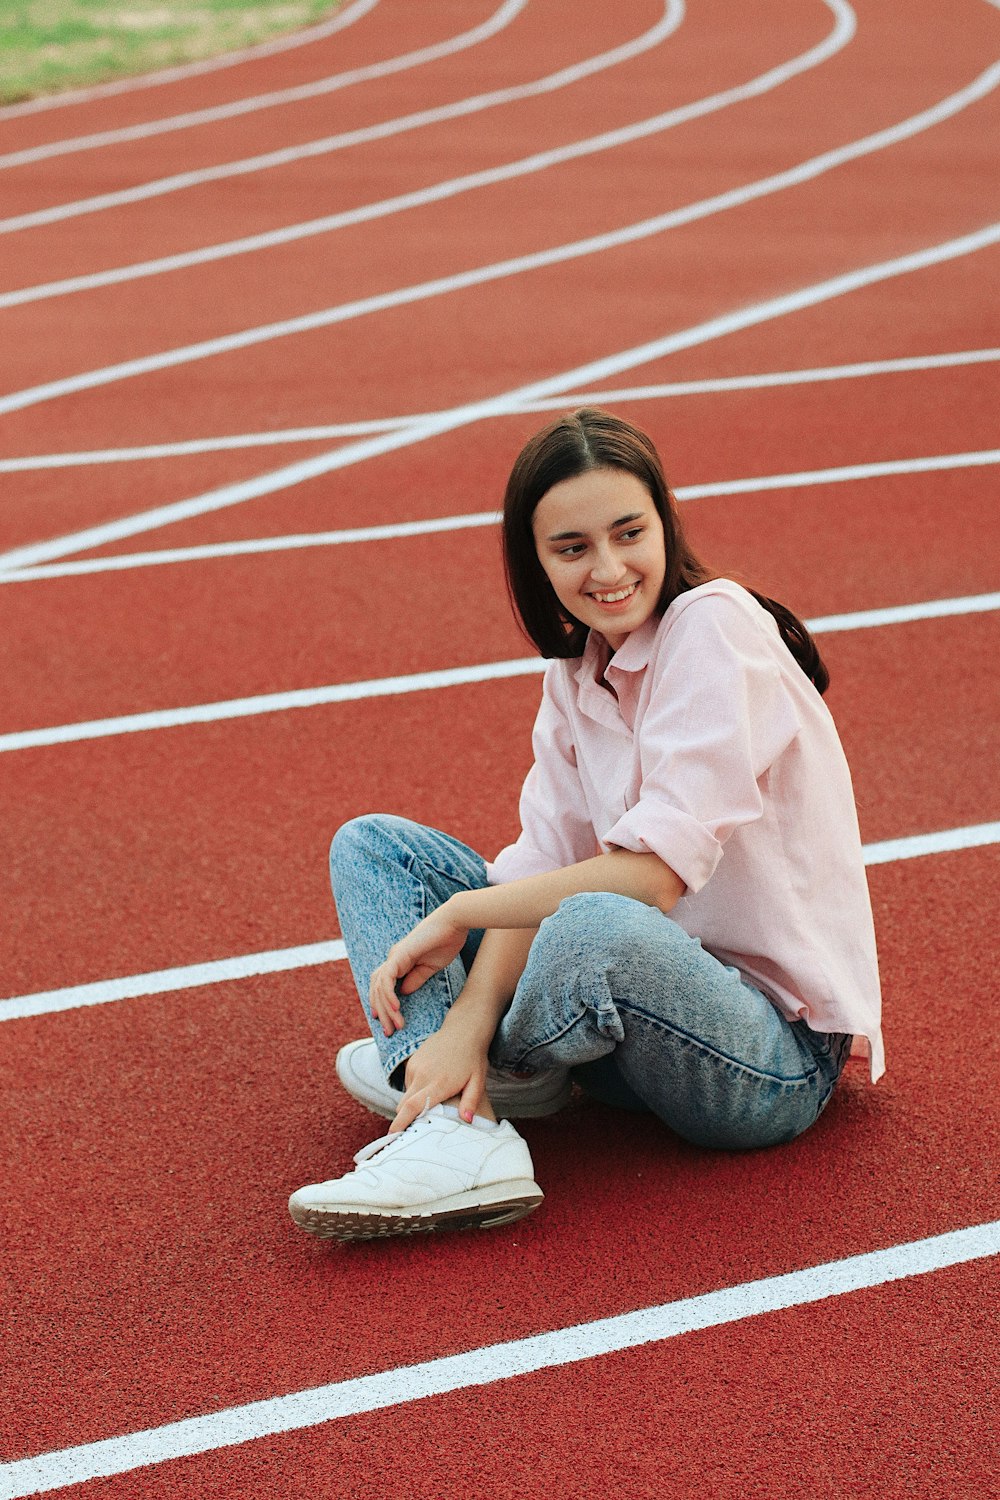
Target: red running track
point(151, 1269)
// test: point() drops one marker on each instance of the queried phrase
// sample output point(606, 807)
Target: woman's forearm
point(492, 980)
point(510, 915)
point(526, 903)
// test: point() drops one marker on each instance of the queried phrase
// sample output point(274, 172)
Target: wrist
point(471, 1016)
point(456, 910)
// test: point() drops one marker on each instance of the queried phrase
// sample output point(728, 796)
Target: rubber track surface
point(152, 1272)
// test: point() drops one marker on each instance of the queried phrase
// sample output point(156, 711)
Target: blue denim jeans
point(612, 990)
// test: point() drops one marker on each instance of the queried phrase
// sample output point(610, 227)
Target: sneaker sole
point(362, 1222)
point(385, 1104)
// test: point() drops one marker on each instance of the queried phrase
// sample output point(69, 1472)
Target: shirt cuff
point(678, 839)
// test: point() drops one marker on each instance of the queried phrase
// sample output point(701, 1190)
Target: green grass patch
point(49, 45)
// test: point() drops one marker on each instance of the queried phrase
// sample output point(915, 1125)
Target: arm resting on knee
point(526, 903)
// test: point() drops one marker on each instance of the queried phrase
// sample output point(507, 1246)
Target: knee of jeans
point(358, 837)
point(607, 915)
point(591, 917)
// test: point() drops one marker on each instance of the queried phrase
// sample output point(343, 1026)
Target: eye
point(631, 534)
point(573, 550)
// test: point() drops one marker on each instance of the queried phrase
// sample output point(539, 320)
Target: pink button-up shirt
point(714, 751)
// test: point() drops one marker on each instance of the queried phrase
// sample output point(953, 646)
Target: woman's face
point(599, 539)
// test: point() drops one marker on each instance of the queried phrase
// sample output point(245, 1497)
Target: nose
point(608, 566)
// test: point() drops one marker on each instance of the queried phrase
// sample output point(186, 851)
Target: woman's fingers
point(383, 999)
point(412, 1104)
point(410, 962)
point(472, 1096)
point(417, 976)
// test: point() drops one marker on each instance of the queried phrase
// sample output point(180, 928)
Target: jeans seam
point(713, 1052)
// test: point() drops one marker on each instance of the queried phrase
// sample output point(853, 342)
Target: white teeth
point(613, 598)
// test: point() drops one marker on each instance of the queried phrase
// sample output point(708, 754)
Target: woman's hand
point(450, 1064)
point(430, 947)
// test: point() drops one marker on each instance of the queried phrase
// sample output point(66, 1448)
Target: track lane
point(561, 122)
point(407, 99)
point(150, 1328)
point(153, 1262)
point(943, 305)
point(392, 42)
point(705, 1405)
point(364, 179)
point(473, 265)
point(190, 844)
point(80, 648)
point(703, 438)
point(630, 392)
point(862, 285)
point(257, 370)
point(456, 110)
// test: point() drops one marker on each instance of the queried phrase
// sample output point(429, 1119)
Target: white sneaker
point(360, 1071)
point(438, 1173)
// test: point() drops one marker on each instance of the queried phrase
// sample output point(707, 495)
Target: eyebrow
point(568, 536)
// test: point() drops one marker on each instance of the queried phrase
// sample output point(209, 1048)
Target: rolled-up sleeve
point(718, 717)
point(556, 826)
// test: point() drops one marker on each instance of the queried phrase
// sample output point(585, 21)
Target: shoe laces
point(392, 1137)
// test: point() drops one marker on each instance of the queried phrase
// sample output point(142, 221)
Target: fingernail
point(467, 1116)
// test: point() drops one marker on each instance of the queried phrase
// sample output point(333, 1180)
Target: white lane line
point(389, 531)
point(948, 841)
point(501, 270)
point(844, 474)
point(267, 703)
point(861, 370)
point(285, 156)
point(238, 107)
point(415, 682)
point(191, 447)
point(678, 388)
point(345, 17)
point(463, 416)
point(439, 192)
point(495, 1362)
point(282, 960)
point(291, 435)
point(905, 614)
point(394, 530)
point(166, 981)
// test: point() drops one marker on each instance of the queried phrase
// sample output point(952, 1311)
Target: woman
point(683, 925)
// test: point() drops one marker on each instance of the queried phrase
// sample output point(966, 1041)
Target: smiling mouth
point(616, 596)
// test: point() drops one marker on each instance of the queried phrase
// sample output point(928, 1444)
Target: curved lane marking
point(806, 171)
point(486, 1365)
point(502, 17)
point(345, 17)
point(385, 687)
point(442, 191)
point(124, 562)
point(463, 416)
point(672, 16)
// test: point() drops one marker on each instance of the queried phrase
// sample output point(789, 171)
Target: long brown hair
point(575, 444)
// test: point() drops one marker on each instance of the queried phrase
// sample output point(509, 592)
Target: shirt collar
point(632, 657)
point(635, 651)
